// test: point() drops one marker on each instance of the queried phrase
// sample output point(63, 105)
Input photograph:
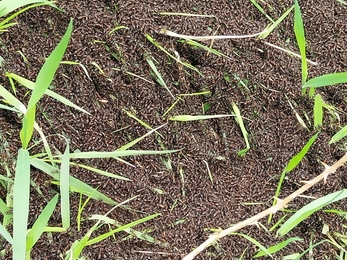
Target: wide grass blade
point(65, 187)
point(7, 6)
point(339, 135)
point(300, 38)
point(327, 80)
point(278, 247)
point(43, 81)
point(318, 111)
point(40, 224)
point(309, 209)
point(21, 194)
point(30, 85)
point(185, 118)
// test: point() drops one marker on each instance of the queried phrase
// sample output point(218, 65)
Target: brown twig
point(278, 206)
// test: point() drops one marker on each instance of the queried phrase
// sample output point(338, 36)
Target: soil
point(259, 79)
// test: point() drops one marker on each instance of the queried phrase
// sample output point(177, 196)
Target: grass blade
point(327, 80)
point(4, 233)
point(278, 247)
point(64, 187)
point(21, 193)
point(318, 111)
point(300, 38)
point(239, 120)
point(255, 242)
point(309, 209)
point(40, 224)
point(254, 2)
point(339, 135)
point(185, 118)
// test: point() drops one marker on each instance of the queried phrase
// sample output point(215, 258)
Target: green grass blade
point(64, 187)
point(4, 233)
point(21, 193)
point(272, 26)
point(30, 85)
point(89, 155)
point(255, 242)
point(254, 2)
point(122, 228)
point(75, 184)
point(158, 75)
point(185, 118)
point(7, 6)
point(278, 247)
point(327, 80)
point(40, 224)
point(339, 135)
point(239, 120)
point(318, 111)
point(298, 157)
point(342, 2)
point(12, 99)
point(300, 38)
point(309, 209)
point(206, 48)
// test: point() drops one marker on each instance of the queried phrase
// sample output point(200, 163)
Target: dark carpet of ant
point(259, 79)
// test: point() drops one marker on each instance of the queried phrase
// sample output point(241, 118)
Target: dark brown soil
point(190, 205)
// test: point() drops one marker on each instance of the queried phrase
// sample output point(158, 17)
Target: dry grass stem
point(279, 205)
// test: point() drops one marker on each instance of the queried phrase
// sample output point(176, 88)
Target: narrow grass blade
point(5, 234)
point(65, 187)
point(158, 75)
point(254, 2)
point(239, 120)
point(309, 209)
point(21, 194)
point(75, 184)
point(339, 135)
point(300, 38)
point(89, 155)
point(278, 247)
point(318, 111)
point(272, 26)
point(185, 118)
point(206, 48)
point(255, 242)
point(40, 224)
point(155, 43)
point(187, 14)
point(30, 85)
point(327, 80)
point(342, 2)
point(122, 228)
point(12, 99)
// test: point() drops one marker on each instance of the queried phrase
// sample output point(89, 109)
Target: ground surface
point(192, 205)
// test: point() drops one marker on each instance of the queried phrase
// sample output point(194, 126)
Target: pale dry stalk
point(278, 206)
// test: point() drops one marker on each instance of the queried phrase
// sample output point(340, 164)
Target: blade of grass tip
point(318, 111)
point(5, 234)
point(185, 118)
point(278, 247)
point(40, 224)
point(255, 242)
point(339, 135)
point(271, 27)
point(43, 81)
point(159, 77)
point(30, 85)
point(327, 80)
point(300, 38)
point(309, 209)
point(291, 166)
point(239, 120)
point(21, 194)
point(254, 2)
point(65, 187)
